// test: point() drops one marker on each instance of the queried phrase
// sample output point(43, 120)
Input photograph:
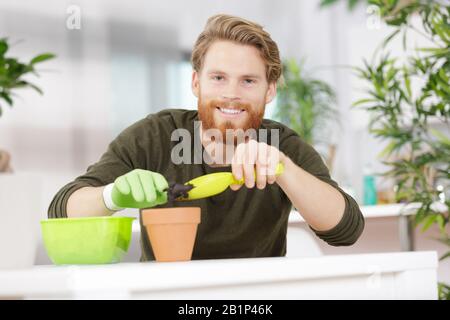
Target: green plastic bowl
point(93, 240)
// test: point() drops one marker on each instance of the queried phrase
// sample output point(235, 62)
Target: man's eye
point(217, 78)
point(249, 81)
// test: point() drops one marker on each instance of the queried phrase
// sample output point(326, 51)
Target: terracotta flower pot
point(172, 232)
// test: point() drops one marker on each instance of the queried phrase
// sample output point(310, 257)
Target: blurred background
point(117, 62)
point(125, 62)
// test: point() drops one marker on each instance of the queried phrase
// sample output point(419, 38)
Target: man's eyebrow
point(254, 76)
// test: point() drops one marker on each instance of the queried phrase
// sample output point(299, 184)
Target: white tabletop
point(386, 275)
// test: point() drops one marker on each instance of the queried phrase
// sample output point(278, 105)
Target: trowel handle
point(278, 171)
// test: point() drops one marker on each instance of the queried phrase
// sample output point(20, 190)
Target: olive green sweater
point(234, 224)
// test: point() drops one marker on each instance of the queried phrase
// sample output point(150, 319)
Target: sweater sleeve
point(120, 157)
point(351, 226)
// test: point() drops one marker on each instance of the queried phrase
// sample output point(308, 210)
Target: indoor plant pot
point(172, 232)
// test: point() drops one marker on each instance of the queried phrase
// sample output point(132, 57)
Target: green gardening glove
point(136, 189)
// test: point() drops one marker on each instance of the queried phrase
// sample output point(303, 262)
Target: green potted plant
point(307, 105)
point(408, 99)
point(12, 77)
point(19, 193)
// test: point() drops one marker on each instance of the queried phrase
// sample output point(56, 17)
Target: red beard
point(206, 112)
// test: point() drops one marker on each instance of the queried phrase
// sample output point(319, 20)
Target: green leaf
point(36, 88)
point(440, 136)
point(436, 51)
point(6, 97)
point(24, 84)
point(352, 4)
point(443, 291)
point(363, 101)
point(443, 76)
point(326, 3)
point(41, 58)
point(389, 38)
point(388, 149)
point(445, 256)
point(429, 222)
point(441, 223)
point(407, 82)
point(3, 47)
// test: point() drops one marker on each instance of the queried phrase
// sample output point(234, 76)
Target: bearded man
point(236, 69)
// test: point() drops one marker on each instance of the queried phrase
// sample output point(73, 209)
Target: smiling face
point(231, 87)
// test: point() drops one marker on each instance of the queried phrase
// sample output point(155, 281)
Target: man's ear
point(195, 83)
point(271, 92)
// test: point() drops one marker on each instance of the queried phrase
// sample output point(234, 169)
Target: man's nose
point(231, 91)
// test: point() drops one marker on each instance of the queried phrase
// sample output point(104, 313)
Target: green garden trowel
point(207, 185)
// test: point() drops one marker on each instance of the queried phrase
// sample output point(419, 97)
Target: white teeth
point(230, 111)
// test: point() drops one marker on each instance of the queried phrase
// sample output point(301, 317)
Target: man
point(236, 69)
